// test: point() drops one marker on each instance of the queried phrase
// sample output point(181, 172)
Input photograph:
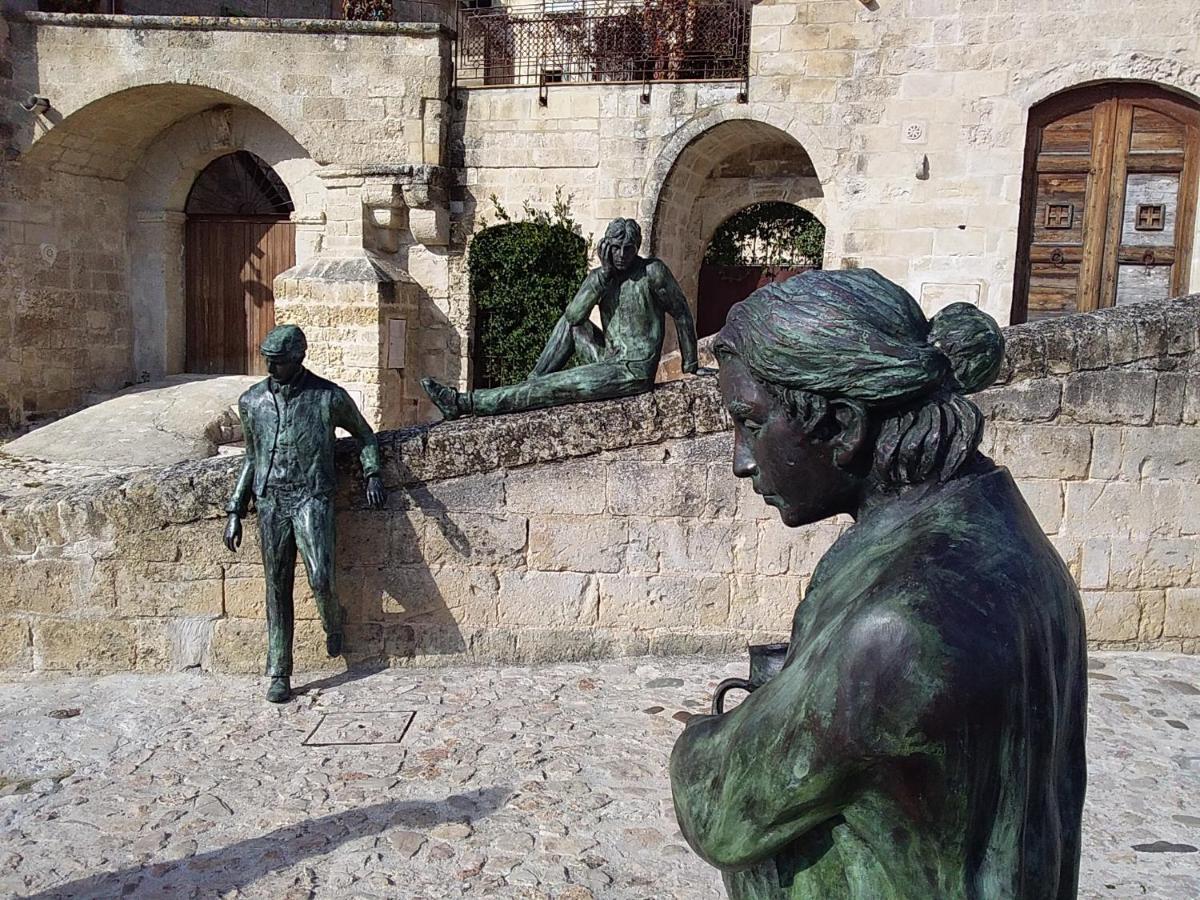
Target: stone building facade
point(613, 528)
point(901, 125)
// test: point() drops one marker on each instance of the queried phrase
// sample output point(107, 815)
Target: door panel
point(230, 303)
point(1109, 201)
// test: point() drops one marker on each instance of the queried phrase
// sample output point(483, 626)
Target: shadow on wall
point(239, 865)
point(388, 562)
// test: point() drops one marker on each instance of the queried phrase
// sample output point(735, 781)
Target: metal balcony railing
point(612, 41)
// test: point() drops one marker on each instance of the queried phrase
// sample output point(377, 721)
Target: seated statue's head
point(620, 244)
point(839, 386)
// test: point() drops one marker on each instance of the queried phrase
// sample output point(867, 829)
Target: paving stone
point(541, 782)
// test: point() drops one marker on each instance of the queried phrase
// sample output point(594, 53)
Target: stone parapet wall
point(613, 528)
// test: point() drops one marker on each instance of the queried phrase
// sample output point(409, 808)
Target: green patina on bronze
point(634, 294)
point(289, 422)
point(925, 735)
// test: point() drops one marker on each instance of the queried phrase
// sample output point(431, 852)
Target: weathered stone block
point(1169, 397)
point(549, 645)
point(1110, 397)
point(1111, 616)
point(694, 643)
point(577, 544)
point(473, 539)
point(684, 545)
point(1033, 400)
point(661, 489)
point(573, 488)
point(654, 601)
point(49, 586)
point(1045, 498)
point(1096, 508)
point(770, 603)
point(90, 646)
point(1040, 451)
point(1154, 452)
point(471, 493)
point(16, 645)
point(1182, 613)
point(1158, 563)
point(442, 595)
point(169, 589)
point(240, 646)
point(547, 598)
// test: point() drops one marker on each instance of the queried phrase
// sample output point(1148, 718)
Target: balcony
point(352, 10)
point(603, 41)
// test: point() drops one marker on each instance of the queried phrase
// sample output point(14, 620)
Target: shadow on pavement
point(240, 865)
point(353, 673)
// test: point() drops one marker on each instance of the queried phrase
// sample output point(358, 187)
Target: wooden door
point(1109, 199)
point(231, 264)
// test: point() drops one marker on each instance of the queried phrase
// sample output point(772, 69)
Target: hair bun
point(973, 343)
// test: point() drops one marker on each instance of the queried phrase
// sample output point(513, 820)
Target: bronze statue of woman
point(925, 736)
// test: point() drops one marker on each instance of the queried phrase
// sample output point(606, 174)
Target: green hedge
point(522, 276)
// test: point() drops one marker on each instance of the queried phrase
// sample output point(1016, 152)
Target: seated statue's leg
point(452, 403)
point(589, 342)
point(596, 381)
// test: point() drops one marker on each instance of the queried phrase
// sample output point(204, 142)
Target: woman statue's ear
point(851, 418)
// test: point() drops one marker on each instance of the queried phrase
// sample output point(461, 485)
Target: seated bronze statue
point(634, 294)
point(925, 735)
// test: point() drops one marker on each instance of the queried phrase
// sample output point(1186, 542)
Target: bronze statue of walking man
point(289, 421)
point(634, 294)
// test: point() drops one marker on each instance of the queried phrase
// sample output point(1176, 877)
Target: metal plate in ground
point(360, 728)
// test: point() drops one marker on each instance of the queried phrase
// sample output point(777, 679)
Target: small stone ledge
point(231, 23)
point(1107, 338)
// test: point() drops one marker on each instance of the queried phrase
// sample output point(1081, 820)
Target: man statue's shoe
point(443, 397)
point(333, 644)
point(280, 690)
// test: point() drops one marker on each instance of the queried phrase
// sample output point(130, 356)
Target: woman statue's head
point(837, 383)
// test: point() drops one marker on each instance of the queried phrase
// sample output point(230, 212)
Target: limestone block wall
point(869, 92)
point(613, 528)
point(92, 192)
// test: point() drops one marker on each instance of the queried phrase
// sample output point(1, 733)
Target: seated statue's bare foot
point(443, 397)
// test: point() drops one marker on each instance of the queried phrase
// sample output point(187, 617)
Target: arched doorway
point(762, 243)
point(238, 239)
point(733, 164)
point(1108, 200)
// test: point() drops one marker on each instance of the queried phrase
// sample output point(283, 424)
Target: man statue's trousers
point(290, 520)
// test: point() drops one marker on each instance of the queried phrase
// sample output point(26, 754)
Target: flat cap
point(284, 340)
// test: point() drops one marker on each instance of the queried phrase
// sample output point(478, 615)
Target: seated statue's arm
point(561, 343)
point(750, 782)
point(674, 302)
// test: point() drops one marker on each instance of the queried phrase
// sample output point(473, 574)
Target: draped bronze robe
point(925, 738)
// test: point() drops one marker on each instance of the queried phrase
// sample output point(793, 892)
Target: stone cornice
point(224, 23)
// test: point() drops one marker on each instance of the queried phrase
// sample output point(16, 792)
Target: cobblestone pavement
point(545, 782)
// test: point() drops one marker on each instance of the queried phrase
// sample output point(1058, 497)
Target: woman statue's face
point(792, 471)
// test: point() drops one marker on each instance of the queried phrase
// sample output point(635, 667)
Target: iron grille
point(615, 41)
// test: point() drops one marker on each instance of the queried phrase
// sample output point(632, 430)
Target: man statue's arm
point(561, 343)
point(674, 302)
point(239, 500)
point(346, 415)
point(748, 783)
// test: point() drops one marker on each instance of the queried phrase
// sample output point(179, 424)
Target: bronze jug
point(765, 662)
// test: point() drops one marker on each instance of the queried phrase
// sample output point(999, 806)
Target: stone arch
point(159, 184)
point(105, 127)
point(1032, 88)
point(717, 164)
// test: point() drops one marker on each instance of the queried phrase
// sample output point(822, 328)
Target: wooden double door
point(1108, 201)
point(231, 266)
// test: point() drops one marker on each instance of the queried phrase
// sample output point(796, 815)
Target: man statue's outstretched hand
point(233, 532)
point(376, 495)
